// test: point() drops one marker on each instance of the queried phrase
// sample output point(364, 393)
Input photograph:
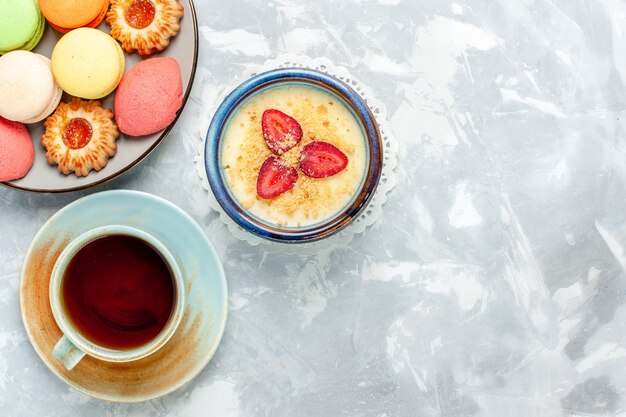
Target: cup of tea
point(117, 293)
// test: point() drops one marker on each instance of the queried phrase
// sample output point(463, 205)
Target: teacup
point(111, 297)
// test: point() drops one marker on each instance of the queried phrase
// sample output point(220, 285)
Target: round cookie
point(145, 26)
point(88, 63)
point(20, 25)
point(80, 136)
point(65, 15)
point(29, 92)
point(16, 150)
point(149, 97)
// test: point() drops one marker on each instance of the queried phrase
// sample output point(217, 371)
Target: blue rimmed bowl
point(282, 77)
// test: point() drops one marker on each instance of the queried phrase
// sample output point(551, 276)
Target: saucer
point(196, 339)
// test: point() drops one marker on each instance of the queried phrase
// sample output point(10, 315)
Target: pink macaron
point(16, 150)
point(149, 96)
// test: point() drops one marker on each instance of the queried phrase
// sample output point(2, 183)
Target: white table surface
point(494, 283)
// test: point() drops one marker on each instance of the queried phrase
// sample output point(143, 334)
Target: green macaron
point(38, 32)
point(21, 25)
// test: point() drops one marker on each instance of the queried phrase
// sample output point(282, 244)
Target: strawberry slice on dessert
point(321, 160)
point(280, 131)
point(275, 178)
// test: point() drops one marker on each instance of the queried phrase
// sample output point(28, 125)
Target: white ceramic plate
point(45, 178)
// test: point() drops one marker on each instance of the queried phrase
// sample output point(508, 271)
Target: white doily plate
point(387, 180)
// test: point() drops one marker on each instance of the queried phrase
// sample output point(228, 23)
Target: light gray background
point(493, 285)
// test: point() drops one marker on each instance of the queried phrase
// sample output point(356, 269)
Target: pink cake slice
point(17, 152)
point(149, 97)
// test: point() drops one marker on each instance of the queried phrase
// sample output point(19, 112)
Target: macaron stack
point(29, 91)
point(21, 25)
point(65, 15)
point(88, 63)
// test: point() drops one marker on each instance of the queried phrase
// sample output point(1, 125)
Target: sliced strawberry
point(275, 177)
point(280, 131)
point(321, 160)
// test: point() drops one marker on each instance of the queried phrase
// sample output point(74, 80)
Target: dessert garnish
point(317, 160)
point(322, 159)
point(280, 131)
point(275, 178)
point(140, 14)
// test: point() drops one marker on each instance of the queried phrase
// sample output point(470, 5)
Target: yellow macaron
point(87, 63)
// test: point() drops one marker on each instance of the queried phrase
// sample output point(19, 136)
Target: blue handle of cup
point(66, 353)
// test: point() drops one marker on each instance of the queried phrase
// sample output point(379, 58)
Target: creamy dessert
point(293, 155)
